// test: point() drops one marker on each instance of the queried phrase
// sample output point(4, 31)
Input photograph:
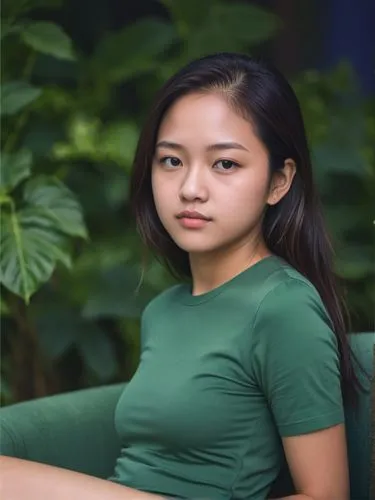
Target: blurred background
point(77, 79)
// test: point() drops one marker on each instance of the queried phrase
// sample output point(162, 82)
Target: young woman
point(245, 366)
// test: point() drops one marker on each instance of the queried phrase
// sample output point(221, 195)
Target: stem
point(7, 200)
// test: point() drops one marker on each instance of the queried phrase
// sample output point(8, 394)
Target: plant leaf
point(8, 29)
point(245, 22)
point(16, 95)
point(134, 49)
point(14, 169)
point(118, 142)
point(30, 248)
point(56, 201)
point(188, 15)
point(48, 38)
point(230, 27)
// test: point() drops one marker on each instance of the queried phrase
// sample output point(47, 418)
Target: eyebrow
point(220, 146)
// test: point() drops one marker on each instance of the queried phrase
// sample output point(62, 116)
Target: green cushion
point(358, 423)
point(72, 430)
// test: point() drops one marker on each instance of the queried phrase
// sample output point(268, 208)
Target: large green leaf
point(133, 50)
point(16, 95)
point(48, 38)
point(56, 201)
point(14, 169)
point(30, 248)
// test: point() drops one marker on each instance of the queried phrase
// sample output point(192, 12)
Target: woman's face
point(208, 160)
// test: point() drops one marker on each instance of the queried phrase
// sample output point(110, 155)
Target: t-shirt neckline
point(255, 269)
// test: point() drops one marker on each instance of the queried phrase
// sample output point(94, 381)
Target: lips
point(188, 214)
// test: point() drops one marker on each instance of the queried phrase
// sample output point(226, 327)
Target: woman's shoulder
point(285, 287)
point(164, 299)
point(287, 279)
point(291, 310)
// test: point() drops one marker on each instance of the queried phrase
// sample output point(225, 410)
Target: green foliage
point(31, 248)
point(226, 28)
point(34, 237)
point(16, 95)
point(134, 50)
point(72, 123)
point(48, 38)
point(15, 168)
point(56, 202)
point(342, 132)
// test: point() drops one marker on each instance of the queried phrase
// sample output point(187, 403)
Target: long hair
point(294, 228)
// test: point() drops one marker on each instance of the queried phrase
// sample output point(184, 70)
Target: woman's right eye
point(170, 161)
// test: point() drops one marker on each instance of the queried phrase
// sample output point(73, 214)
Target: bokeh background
point(77, 79)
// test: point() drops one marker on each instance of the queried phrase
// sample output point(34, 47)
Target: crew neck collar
point(258, 269)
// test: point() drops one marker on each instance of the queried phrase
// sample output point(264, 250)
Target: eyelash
point(234, 164)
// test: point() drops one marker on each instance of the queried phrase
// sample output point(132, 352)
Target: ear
point(281, 181)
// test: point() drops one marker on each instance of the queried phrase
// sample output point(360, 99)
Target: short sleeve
point(295, 359)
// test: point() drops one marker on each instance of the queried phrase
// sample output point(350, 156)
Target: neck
point(210, 270)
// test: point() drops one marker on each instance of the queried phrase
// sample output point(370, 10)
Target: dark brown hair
point(293, 228)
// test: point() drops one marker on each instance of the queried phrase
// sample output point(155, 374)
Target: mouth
point(192, 219)
point(188, 214)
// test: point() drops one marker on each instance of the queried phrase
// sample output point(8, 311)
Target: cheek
point(157, 186)
point(161, 193)
point(247, 197)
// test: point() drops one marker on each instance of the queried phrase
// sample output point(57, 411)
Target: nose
point(193, 186)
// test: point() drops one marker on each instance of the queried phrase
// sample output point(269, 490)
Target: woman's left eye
point(226, 165)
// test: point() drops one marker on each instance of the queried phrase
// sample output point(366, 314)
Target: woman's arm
point(20, 479)
point(318, 464)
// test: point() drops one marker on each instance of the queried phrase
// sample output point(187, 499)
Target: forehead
point(204, 117)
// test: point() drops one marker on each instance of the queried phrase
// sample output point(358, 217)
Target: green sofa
point(75, 430)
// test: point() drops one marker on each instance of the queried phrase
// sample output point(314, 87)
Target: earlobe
point(281, 182)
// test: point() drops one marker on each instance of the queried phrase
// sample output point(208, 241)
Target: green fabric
point(73, 430)
point(358, 422)
point(221, 376)
point(76, 431)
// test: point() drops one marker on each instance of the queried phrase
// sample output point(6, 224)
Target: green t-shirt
point(222, 377)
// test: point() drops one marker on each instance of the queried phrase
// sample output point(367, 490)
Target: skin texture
point(24, 480)
point(197, 176)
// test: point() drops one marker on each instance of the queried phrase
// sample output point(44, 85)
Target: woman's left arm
point(296, 362)
point(318, 464)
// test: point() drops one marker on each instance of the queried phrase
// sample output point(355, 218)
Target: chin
point(196, 247)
